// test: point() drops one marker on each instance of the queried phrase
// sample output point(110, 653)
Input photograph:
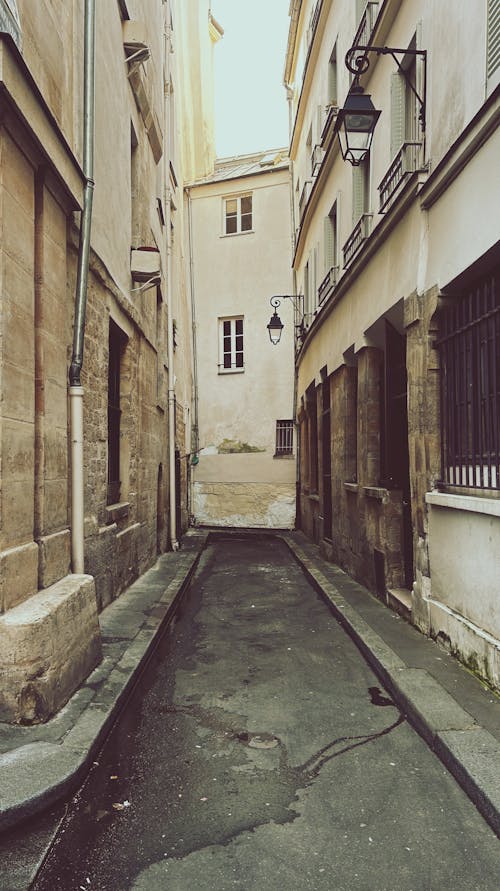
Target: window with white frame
point(231, 344)
point(238, 214)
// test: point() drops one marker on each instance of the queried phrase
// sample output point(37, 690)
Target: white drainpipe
point(75, 388)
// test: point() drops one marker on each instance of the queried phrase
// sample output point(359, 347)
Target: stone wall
point(367, 530)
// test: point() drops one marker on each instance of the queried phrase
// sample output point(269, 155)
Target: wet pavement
point(259, 751)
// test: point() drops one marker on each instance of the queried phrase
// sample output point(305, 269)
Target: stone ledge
point(471, 503)
point(376, 492)
point(116, 512)
point(351, 487)
point(50, 643)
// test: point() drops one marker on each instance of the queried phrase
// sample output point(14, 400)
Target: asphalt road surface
point(259, 752)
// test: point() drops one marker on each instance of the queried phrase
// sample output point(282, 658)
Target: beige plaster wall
point(237, 275)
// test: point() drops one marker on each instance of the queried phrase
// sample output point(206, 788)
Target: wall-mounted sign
point(9, 20)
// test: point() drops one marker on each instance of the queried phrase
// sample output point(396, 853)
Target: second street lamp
point(275, 326)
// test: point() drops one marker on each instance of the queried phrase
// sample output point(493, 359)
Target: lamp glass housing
point(275, 327)
point(356, 123)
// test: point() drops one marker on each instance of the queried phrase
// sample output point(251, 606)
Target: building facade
point(397, 262)
point(240, 239)
point(94, 481)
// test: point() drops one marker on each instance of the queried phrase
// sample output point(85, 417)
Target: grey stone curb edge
point(468, 751)
point(75, 759)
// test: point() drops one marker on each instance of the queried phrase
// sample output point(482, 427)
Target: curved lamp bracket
point(357, 60)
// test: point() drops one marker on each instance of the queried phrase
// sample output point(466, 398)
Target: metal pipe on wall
point(75, 389)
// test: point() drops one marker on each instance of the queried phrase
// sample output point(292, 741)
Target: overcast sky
point(251, 111)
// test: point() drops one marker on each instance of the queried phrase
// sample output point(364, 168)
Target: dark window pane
point(239, 360)
point(239, 343)
point(246, 222)
point(239, 326)
point(227, 361)
point(246, 204)
point(231, 226)
point(227, 328)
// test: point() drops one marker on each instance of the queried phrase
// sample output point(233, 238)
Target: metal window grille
point(284, 438)
point(470, 387)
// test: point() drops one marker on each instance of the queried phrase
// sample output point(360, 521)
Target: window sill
point(288, 456)
point(233, 234)
point(116, 512)
point(351, 487)
point(231, 370)
point(376, 492)
point(471, 503)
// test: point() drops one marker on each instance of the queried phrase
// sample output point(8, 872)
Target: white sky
point(251, 111)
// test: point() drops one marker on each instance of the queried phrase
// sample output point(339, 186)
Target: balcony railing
point(358, 235)
point(313, 22)
point(304, 197)
point(366, 25)
point(317, 156)
point(328, 126)
point(406, 161)
point(327, 286)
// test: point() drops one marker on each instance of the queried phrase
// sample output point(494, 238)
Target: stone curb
point(35, 775)
point(468, 751)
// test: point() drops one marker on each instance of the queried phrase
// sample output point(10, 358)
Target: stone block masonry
point(49, 643)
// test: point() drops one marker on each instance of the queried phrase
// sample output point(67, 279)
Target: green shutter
point(360, 8)
point(397, 113)
point(329, 243)
point(493, 36)
point(358, 192)
point(332, 77)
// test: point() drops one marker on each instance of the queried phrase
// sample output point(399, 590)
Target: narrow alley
point(259, 751)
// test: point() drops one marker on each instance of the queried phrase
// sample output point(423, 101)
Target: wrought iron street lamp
point(275, 326)
point(356, 121)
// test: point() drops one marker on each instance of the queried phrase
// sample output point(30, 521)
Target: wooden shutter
point(397, 113)
point(329, 242)
point(332, 77)
point(358, 192)
point(360, 8)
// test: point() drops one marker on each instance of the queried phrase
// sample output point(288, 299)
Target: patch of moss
point(234, 447)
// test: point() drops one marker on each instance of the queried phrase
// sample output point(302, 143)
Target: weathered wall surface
point(239, 480)
point(49, 615)
point(433, 239)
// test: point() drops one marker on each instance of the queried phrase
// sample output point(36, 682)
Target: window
point(284, 438)
point(117, 341)
point(238, 214)
point(231, 344)
point(470, 386)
